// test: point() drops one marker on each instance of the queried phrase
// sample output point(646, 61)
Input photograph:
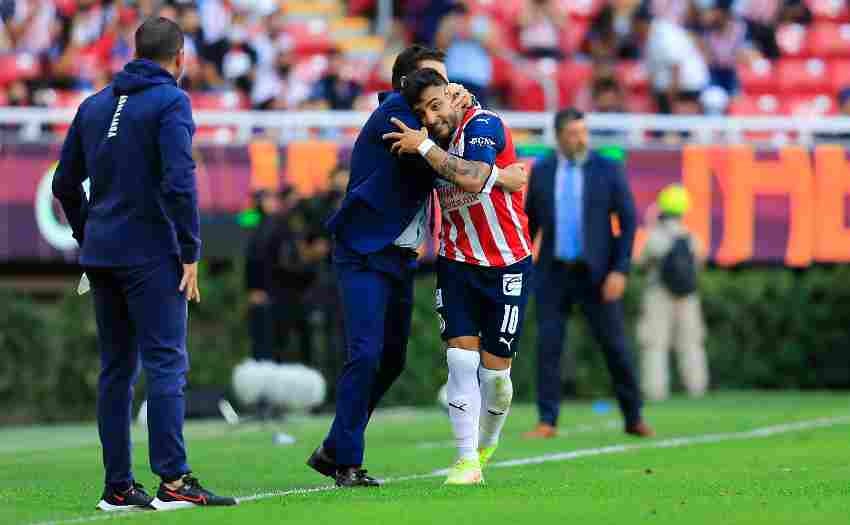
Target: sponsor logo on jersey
point(512, 284)
point(482, 142)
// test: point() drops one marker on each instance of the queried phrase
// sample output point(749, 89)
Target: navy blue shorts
point(483, 301)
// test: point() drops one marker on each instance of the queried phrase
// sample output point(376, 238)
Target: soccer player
point(140, 245)
point(380, 223)
point(484, 267)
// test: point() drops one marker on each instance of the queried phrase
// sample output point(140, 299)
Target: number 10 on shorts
point(510, 319)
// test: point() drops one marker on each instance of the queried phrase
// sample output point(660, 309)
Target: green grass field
point(748, 458)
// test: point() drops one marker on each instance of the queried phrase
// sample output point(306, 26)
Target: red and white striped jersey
point(488, 228)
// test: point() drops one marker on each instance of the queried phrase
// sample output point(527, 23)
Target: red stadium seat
point(223, 101)
point(22, 66)
point(640, 103)
point(829, 10)
point(760, 105)
point(813, 105)
point(503, 72)
point(310, 37)
point(758, 77)
point(586, 9)
point(839, 75)
point(802, 75)
point(573, 35)
point(526, 93)
point(571, 77)
point(791, 39)
point(633, 76)
point(829, 40)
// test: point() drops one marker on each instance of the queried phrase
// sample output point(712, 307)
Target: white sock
point(497, 391)
point(464, 399)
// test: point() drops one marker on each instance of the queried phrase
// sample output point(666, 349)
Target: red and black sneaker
point(190, 494)
point(134, 498)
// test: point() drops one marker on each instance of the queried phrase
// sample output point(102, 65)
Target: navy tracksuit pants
point(377, 296)
point(141, 319)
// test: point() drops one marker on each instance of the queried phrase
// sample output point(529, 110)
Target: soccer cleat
point(465, 472)
point(355, 477)
point(485, 454)
point(190, 494)
point(134, 498)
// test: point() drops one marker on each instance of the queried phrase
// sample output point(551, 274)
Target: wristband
point(425, 147)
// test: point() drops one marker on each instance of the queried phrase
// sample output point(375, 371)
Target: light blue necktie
point(568, 209)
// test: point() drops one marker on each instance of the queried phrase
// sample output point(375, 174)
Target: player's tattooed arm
point(469, 175)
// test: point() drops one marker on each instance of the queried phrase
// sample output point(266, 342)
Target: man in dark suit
point(383, 218)
point(572, 199)
point(139, 244)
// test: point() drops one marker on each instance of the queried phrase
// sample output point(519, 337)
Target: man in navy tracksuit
point(382, 220)
point(139, 244)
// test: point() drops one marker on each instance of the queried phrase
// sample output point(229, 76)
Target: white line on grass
point(756, 433)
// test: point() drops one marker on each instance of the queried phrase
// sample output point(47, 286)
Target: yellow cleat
point(485, 455)
point(465, 472)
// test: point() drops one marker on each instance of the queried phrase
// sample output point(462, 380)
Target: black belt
point(573, 266)
point(409, 253)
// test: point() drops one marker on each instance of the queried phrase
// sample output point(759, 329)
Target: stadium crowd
point(740, 57)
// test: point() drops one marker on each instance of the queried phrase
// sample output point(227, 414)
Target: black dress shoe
point(355, 477)
point(322, 463)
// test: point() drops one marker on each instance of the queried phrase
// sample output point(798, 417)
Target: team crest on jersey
point(482, 142)
point(512, 284)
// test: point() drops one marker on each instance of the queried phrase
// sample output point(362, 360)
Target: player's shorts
point(483, 301)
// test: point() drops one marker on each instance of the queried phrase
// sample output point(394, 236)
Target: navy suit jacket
point(606, 192)
point(133, 140)
point(384, 192)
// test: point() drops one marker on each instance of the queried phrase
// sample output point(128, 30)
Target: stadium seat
point(813, 105)
point(571, 77)
point(218, 100)
point(310, 37)
point(827, 40)
point(640, 103)
point(23, 66)
point(766, 105)
point(633, 76)
point(839, 75)
point(573, 36)
point(829, 10)
point(526, 93)
point(802, 75)
point(791, 39)
point(503, 72)
point(586, 9)
point(758, 77)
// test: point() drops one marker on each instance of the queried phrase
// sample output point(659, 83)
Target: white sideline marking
point(562, 434)
point(756, 433)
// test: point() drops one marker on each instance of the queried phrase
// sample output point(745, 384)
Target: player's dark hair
point(408, 61)
point(565, 116)
point(414, 84)
point(158, 39)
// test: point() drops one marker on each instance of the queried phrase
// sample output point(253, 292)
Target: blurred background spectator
point(769, 56)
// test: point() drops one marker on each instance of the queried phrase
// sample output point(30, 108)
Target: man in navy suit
point(383, 218)
point(572, 198)
point(139, 244)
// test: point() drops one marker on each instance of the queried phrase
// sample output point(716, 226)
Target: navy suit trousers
point(141, 319)
point(377, 297)
point(560, 288)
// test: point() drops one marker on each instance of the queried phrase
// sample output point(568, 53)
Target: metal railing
point(625, 129)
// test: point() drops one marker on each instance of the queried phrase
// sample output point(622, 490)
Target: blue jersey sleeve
point(484, 139)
